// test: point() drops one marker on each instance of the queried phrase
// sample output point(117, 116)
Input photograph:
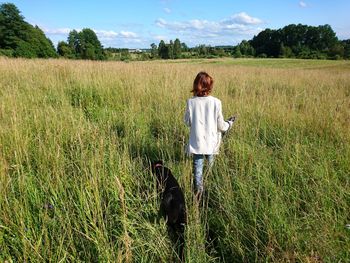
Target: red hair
point(202, 84)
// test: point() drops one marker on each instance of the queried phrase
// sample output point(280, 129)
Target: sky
point(138, 24)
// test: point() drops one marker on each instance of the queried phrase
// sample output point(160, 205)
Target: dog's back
point(173, 202)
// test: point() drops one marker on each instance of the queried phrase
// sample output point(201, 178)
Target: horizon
point(137, 26)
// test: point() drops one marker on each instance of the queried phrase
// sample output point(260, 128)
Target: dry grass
point(76, 138)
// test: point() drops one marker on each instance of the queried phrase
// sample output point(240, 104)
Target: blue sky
point(137, 24)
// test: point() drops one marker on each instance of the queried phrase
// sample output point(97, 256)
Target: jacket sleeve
point(187, 117)
point(222, 124)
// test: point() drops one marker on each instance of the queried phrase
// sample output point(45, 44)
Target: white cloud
point(201, 24)
point(226, 31)
point(128, 34)
point(167, 10)
point(302, 4)
point(161, 22)
point(240, 23)
point(107, 37)
point(160, 37)
point(118, 39)
point(244, 19)
point(191, 25)
point(57, 31)
point(106, 33)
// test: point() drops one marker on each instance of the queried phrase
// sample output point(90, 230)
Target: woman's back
point(204, 116)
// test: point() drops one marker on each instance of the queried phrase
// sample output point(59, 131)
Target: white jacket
point(204, 117)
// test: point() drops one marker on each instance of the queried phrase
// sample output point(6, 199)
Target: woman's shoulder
point(214, 99)
point(204, 98)
point(209, 97)
point(189, 100)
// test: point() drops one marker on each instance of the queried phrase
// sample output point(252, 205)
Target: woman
point(204, 117)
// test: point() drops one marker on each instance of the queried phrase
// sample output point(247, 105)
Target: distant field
point(275, 63)
point(76, 138)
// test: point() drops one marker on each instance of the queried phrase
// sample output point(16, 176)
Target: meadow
point(76, 138)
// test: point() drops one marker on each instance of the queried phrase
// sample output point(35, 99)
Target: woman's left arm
point(187, 118)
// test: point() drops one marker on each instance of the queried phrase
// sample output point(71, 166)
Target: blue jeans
point(198, 163)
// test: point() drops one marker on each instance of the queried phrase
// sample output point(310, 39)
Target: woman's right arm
point(222, 124)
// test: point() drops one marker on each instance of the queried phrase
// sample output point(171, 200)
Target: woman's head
point(202, 84)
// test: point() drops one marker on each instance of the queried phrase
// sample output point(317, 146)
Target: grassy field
point(76, 138)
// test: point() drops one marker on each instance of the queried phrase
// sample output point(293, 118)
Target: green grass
point(288, 63)
point(274, 63)
point(76, 138)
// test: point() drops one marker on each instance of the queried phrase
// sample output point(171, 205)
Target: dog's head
point(155, 165)
point(160, 171)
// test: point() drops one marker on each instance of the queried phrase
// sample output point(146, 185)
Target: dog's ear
point(155, 164)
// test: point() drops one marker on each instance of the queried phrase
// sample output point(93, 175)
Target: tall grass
point(76, 139)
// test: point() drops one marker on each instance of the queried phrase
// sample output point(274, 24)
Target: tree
point(246, 49)
point(24, 49)
point(89, 52)
point(237, 52)
point(20, 37)
point(336, 51)
point(163, 50)
point(263, 43)
point(328, 37)
point(154, 50)
point(83, 44)
point(298, 40)
point(184, 47)
point(74, 42)
point(346, 44)
point(170, 47)
point(12, 26)
point(202, 50)
point(218, 52)
point(125, 55)
point(43, 45)
point(91, 47)
point(177, 48)
point(285, 52)
point(65, 50)
point(171, 50)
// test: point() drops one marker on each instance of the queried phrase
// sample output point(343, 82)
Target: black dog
point(172, 202)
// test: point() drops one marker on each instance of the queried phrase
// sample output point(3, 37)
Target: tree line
point(295, 41)
point(20, 39)
point(82, 45)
